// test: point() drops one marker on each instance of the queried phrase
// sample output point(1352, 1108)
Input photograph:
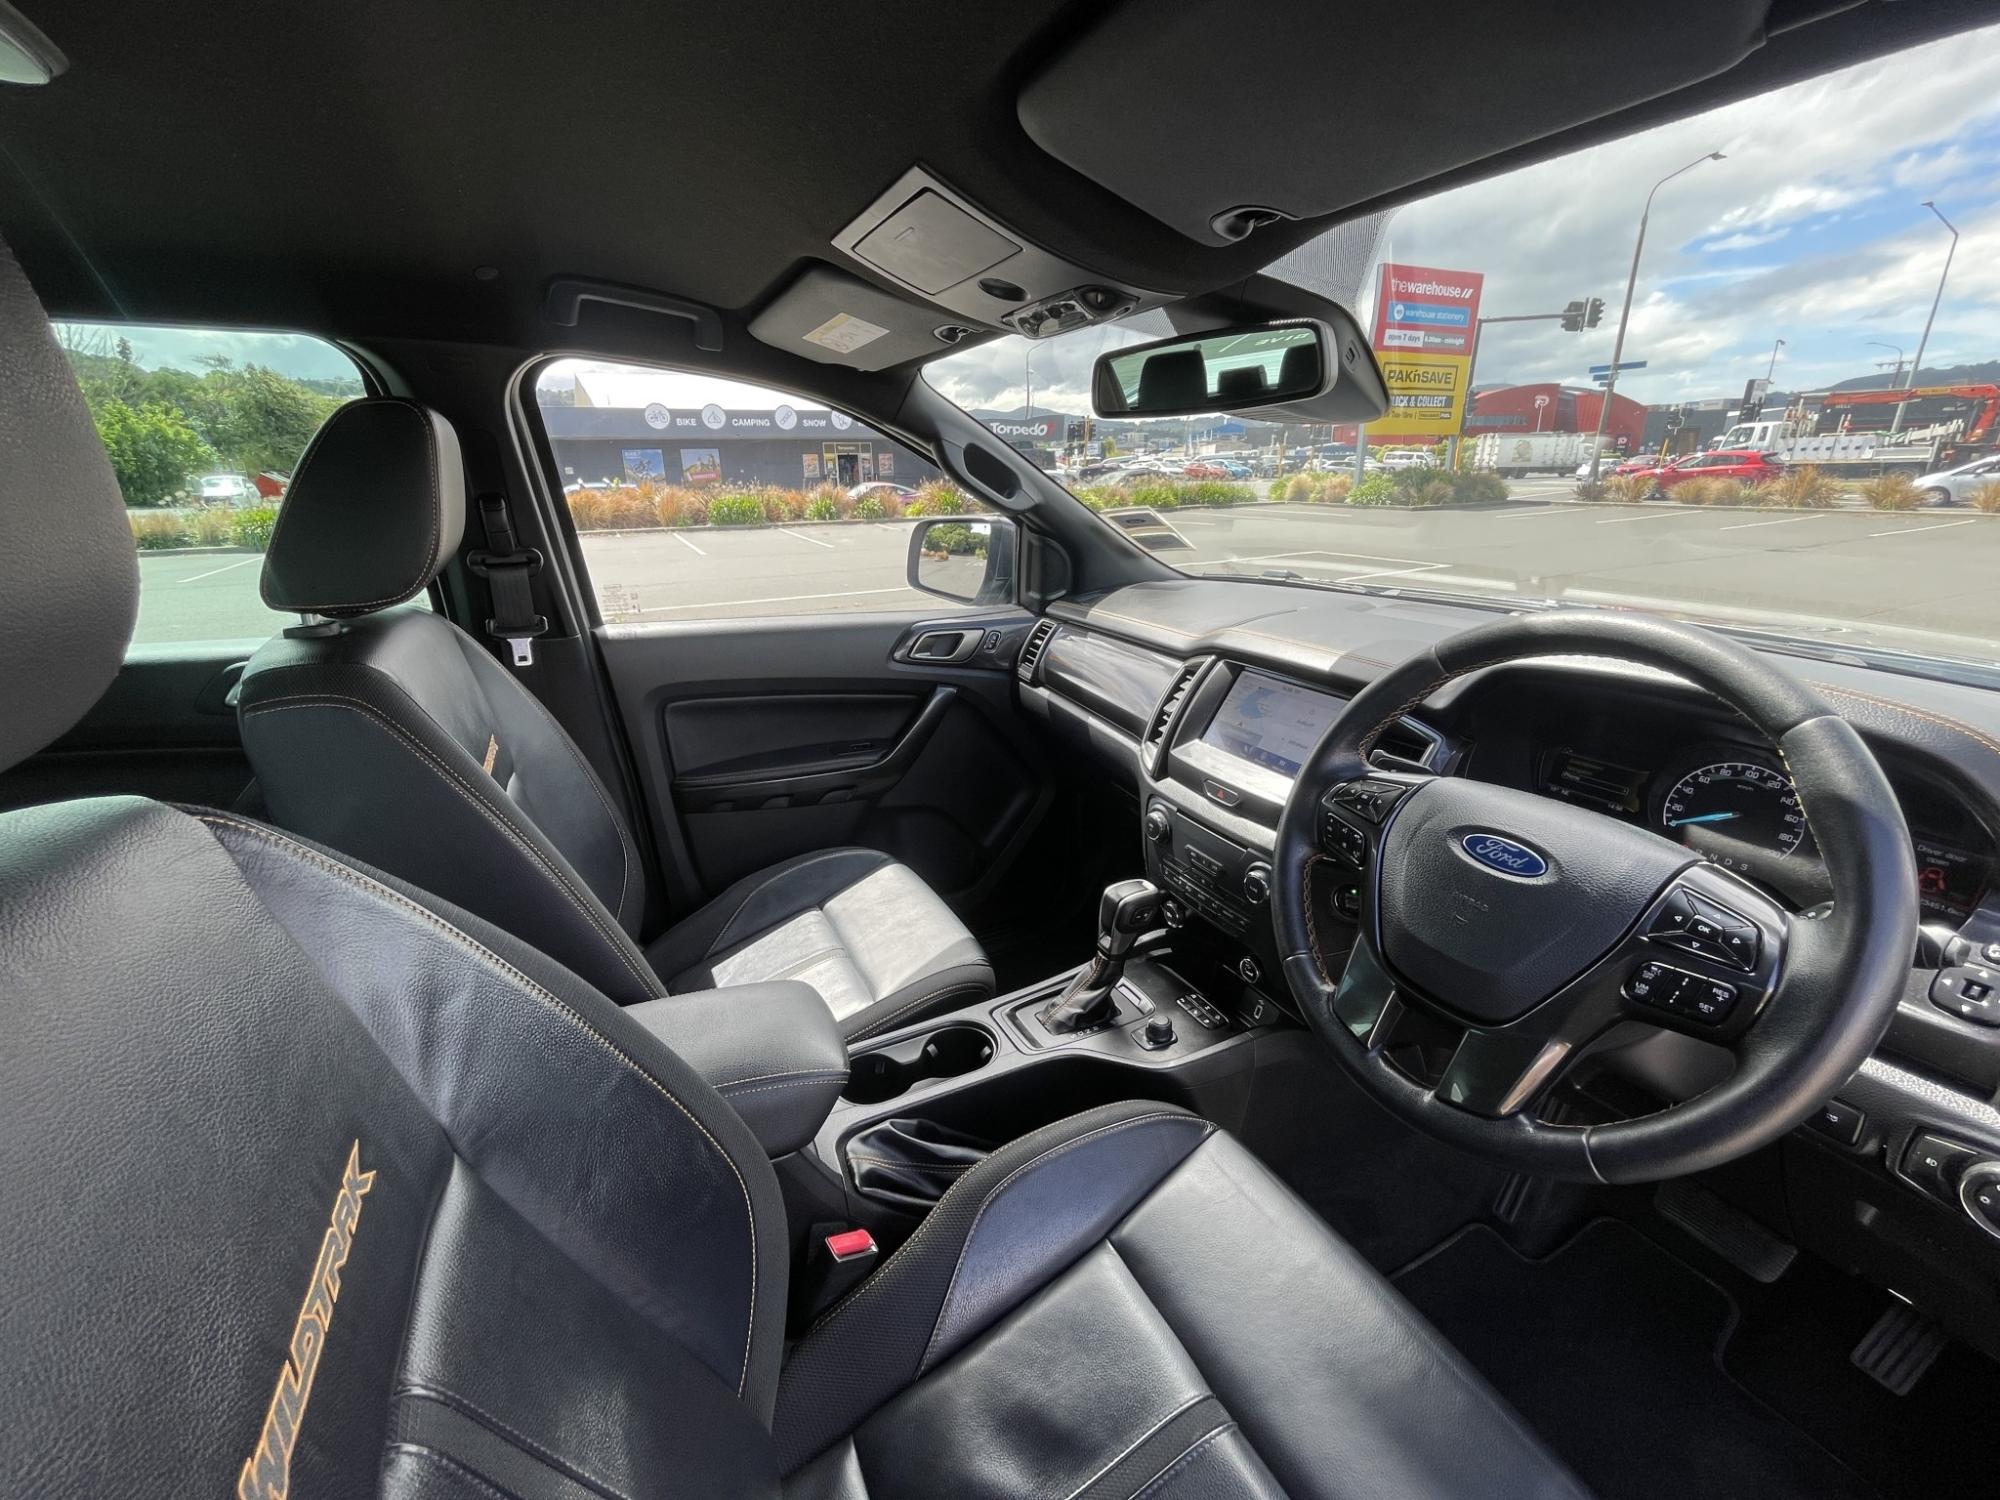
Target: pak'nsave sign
point(1424, 322)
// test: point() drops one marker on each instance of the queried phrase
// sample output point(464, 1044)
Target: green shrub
point(736, 510)
point(1985, 499)
point(777, 506)
point(1627, 489)
point(1160, 494)
point(822, 510)
point(1096, 496)
point(1376, 489)
point(253, 528)
point(210, 526)
point(1477, 487)
point(1298, 490)
point(960, 540)
point(1803, 488)
point(160, 531)
point(936, 498)
point(1333, 489)
point(868, 508)
point(1715, 491)
point(1891, 492)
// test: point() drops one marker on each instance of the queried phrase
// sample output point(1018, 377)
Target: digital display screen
point(1270, 722)
point(1949, 881)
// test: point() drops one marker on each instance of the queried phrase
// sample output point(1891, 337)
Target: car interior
point(1072, 1028)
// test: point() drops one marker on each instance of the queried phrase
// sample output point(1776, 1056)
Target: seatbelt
point(507, 568)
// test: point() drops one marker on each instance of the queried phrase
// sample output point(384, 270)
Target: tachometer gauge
point(1739, 800)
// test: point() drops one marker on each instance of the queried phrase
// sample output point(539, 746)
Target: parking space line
point(801, 536)
point(1786, 521)
point(226, 567)
point(1906, 530)
point(687, 544)
point(1663, 515)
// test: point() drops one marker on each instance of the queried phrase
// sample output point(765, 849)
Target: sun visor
point(1215, 116)
point(837, 319)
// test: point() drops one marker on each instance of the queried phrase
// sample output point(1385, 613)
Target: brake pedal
point(1726, 1229)
point(1899, 1349)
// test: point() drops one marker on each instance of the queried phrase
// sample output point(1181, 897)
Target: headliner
point(344, 169)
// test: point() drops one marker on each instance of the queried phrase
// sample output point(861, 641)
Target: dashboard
point(1203, 698)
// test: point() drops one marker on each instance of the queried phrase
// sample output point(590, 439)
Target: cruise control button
point(1708, 1000)
point(1657, 985)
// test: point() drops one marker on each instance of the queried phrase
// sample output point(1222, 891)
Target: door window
point(699, 498)
point(203, 427)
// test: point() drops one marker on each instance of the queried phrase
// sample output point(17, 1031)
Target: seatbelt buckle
point(508, 573)
point(838, 1260)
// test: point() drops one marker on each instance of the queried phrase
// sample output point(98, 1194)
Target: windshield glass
point(1800, 291)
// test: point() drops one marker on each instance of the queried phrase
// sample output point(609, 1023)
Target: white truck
point(1514, 454)
point(1795, 443)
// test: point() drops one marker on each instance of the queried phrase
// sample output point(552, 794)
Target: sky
point(1811, 230)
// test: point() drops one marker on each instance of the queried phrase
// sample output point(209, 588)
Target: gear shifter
point(1127, 909)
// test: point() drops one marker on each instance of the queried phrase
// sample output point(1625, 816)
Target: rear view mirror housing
point(1316, 369)
point(969, 559)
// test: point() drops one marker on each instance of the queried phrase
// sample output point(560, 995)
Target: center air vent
point(1159, 731)
point(1407, 743)
point(1032, 649)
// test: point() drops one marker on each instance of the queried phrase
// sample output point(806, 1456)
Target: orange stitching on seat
point(562, 1008)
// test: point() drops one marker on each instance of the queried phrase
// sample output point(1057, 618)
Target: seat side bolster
point(1002, 1232)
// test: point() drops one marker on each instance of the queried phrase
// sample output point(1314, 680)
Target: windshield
point(1803, 289)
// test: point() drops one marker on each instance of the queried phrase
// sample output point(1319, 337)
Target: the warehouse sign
point(714, 421)
point(1424, 323)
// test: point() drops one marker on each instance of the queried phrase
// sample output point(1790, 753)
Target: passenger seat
point(395, 738)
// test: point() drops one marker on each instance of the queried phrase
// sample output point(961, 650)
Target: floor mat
point(1608, 1349)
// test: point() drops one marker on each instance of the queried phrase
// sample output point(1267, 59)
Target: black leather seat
point(317, 1186)
point(394, 737)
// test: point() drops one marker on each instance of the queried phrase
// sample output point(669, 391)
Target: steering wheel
point(1500, 932)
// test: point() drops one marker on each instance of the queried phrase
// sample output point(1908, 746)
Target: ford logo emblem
point(1504, 855)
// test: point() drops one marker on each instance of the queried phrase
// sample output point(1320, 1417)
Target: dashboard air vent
point(1406, 742)
point(1032, 649)
point(1159, 729)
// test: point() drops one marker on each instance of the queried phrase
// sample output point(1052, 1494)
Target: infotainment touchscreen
point(1273, 723)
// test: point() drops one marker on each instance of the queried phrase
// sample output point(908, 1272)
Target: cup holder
point(945, 1053)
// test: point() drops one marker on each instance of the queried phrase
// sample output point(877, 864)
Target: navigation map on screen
point(1272, 723)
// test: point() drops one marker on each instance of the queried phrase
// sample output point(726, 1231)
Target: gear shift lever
point(1127, 909)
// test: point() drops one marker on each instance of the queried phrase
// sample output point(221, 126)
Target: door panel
point(166, 729)
point(759, 740)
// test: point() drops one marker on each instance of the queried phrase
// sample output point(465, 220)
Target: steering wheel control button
point(1839, 1121)
point(1343, 840)
point(1662, 987)
point(1971, 992)
point(1369, 799)
point(1708, 1000)
point(1654, 984)
point(1708, 930)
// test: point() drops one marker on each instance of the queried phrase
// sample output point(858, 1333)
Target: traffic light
point(1573, 318)
point(1594, 313)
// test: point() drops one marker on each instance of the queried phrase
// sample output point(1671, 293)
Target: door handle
point(943, 647)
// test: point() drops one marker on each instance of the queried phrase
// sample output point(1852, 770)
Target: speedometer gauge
point(1740, 800)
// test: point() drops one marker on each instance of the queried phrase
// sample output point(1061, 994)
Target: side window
point(698, 498)
point(203, 427)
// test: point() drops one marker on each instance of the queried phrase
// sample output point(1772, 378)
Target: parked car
point(881, 489)
point(1747, 465)
point(1954, 486)
point(1204, 470)
point(226, 489)
point(1408, 458)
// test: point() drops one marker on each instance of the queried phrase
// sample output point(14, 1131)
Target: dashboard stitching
point(1939, 720)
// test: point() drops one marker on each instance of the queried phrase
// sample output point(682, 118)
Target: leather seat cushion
point(1128, 1303)
point(864, 931)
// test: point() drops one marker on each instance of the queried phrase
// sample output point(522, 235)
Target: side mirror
point(966, 558)
point(1236, 369)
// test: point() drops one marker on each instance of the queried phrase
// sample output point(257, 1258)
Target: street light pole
point(1773, 368)
point(1917, 363)
point(1896, 379)
point(1625, 312)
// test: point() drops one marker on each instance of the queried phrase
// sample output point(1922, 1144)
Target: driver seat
point(318, 1186)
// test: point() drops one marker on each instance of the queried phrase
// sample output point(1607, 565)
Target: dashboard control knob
point(1979, 1191)
point(1158, 824)
point(1174, 912)
point(1257, 883)
point(1247, 970)
point(1158, 1032)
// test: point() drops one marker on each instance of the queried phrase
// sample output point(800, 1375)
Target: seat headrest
point(69, 573)
point(1245, 383)
point(375, 507)
point(1179, 377)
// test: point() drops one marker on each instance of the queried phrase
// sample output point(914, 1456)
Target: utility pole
point(1625, 313)
point(1896, 379)
point(1772, 369)
point(1918, 363)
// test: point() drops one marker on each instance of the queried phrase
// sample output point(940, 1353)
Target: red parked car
point(1749, 465)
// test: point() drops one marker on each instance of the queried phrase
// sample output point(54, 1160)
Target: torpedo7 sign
point(1425, 322)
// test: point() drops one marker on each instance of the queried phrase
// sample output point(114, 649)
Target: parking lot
point(1926, 576)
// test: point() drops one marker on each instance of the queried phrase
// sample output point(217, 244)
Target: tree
point(152, 447)
point(261, 419)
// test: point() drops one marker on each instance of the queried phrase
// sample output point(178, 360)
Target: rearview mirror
point(1235, 369)
point(966, 558)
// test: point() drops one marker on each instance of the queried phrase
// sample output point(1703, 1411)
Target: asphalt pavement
point(1923, 580)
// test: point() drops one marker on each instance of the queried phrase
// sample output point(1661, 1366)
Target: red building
point(1511, 409)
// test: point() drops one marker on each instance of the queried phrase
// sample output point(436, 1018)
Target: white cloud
point(1743, 240)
